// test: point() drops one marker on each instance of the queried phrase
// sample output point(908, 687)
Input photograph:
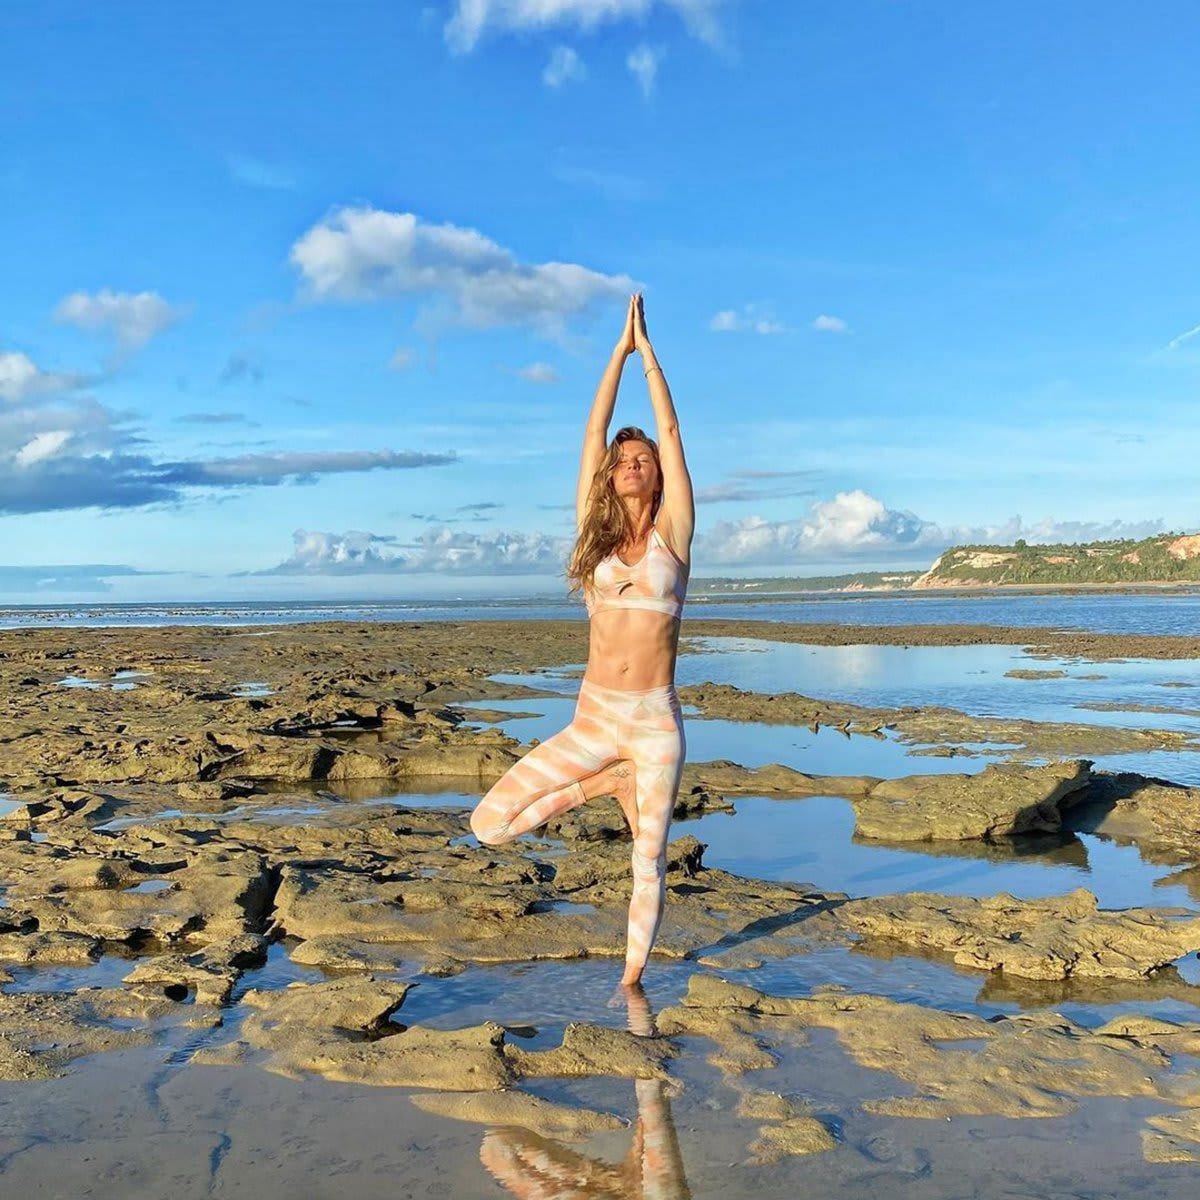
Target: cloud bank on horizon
point(379, 301)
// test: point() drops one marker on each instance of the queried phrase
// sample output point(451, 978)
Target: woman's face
point(635, 472)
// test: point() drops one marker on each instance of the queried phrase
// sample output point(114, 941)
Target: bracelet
point(657, 368)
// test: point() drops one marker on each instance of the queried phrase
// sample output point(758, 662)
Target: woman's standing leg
point(653, 738)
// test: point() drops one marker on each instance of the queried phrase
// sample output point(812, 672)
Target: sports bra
point(657, 581)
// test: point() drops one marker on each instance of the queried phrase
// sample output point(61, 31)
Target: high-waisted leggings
point(609, 724)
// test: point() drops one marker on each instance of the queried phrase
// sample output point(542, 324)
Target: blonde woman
point(635, 516)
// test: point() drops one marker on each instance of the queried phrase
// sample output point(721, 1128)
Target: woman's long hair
point(607, 524)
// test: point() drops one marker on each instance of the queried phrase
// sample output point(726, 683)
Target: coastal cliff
point(1165, 558)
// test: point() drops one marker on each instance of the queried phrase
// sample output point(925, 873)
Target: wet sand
point(249, 943)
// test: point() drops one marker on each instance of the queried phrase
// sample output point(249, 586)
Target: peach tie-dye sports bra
point(657, 581)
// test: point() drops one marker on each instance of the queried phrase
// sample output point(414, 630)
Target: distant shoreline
point(1031, 589)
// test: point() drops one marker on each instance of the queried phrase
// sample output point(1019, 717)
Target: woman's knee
point(487, 829)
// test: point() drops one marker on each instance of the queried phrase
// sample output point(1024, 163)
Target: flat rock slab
point(1003, 800)
point(1031, 1065)
point(1062, 937)
point(343, 1030)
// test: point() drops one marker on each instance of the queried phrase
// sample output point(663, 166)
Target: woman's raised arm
point(595, 436)
point(677, 513)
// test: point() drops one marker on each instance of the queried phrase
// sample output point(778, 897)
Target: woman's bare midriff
point(632, 649)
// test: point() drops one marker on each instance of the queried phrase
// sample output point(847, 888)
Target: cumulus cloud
point(749, 319)
point(22, 379)
point(474, 18)
point(539, 372)
point(372, 254)
point(827, 324)
point(402, 359)
point(565, 66)
point(440, 551)
point(132, 318)
point(855, 525)
point(643, 63)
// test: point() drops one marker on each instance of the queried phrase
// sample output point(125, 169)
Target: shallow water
point(972, 679)
point(825, 752)
point(1154, 613)
point(149, 1123)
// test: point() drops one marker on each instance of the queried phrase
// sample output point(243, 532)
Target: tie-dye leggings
point(609, 724)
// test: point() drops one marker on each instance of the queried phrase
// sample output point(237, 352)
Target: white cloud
point(855, 525)
point(132, 318)
point(565, 66)
point(68, 451)
point(22, 379)
point(643, 62)
point(474, 18)
point(402, 359)
point(751, 319)
point(369, 254)
point(539, 372)
point(42, 446)
point(440, 551)
point(827, 324)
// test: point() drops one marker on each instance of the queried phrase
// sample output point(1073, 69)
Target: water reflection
point(534, 1167)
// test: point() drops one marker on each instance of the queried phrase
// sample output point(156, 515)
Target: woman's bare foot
point(622, 784)
point(632, 977)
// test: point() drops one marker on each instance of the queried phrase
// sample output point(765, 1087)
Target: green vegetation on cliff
point(1165, 558)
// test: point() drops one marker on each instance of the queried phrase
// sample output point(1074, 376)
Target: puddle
point(9, 805)
point(811, 841)
point(252, 690)
point(150, 887)
point(121, 681)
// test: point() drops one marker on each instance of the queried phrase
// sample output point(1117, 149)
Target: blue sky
point(305, 300)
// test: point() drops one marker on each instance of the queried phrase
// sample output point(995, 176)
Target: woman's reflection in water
point(536, 1168)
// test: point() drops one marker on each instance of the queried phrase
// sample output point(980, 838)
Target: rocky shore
point(179, 806)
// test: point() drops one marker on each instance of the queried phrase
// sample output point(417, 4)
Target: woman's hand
point(641, 339)
point(626, 344)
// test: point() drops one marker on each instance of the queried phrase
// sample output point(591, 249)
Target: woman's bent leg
point(546, 782)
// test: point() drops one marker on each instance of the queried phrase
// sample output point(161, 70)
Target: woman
point(635, 516)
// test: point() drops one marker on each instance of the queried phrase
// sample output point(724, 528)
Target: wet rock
point(208, 974)
point(588, 1050)
point(41, 1032)
point(731, 779)
point(41, 949)
point(1028, 1065)
point(1162, 818)
point(1057, 938)
point(1001, 801)
point(796, 1136)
